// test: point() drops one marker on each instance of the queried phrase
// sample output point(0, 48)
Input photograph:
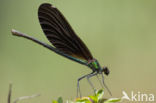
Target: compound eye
point(106, 70)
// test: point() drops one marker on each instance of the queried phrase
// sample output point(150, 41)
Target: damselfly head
point(105, 70)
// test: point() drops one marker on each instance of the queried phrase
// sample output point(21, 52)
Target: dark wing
point(60, 34)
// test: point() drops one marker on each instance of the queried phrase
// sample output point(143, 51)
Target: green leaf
point(83, 101)
point(99, 94)
point(94, 98)
point(113, 100)
point(60, 100)
point(54, 101)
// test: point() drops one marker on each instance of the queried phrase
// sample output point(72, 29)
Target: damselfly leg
point(105, 85)
point(88, 76)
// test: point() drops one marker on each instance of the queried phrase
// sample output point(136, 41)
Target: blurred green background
point(121, 34)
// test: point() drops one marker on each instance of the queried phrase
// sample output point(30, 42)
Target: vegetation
point(96, 98)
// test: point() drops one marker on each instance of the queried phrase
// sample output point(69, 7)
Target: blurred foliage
point(96, 98)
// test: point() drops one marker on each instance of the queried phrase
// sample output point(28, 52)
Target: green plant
point(96, 98)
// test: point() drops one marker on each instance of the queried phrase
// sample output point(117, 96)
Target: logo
point(138, 96)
